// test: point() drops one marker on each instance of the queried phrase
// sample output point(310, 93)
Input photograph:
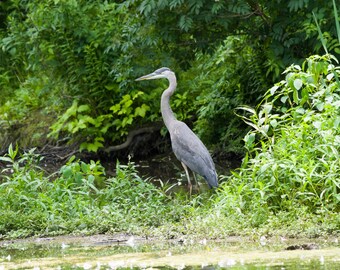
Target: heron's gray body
point(188, 148)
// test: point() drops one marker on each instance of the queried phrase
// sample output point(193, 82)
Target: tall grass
point(80, 198)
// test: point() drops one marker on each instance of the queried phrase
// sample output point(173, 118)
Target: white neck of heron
point(167, 113)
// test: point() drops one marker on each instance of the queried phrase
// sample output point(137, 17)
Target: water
point(127, 252)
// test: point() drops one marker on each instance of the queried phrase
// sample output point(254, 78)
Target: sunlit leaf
point(83, 108)
point(317, 124)
point(273, 123)
point(273, 89)
point(320, 106)
point(298, 84)
point(284, 99)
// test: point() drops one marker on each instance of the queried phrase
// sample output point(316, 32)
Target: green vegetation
point(288, 183)
point(67, 72)
point(76, 62)
point(80, 198)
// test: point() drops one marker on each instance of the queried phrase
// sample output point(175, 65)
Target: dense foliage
point(294, 148)
point(68, 68)
point(288, 183)
point(76, 61)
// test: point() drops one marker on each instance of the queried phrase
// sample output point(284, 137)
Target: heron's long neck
point(167, 113)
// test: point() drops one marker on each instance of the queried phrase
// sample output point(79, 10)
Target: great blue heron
point(188, 148)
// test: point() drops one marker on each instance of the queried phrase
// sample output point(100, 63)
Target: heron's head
point(163, 72)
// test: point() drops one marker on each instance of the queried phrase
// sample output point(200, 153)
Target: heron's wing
point(190, 150)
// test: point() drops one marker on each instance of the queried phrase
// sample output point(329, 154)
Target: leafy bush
point(66, 51)
point(77, 120)
point(293, 150)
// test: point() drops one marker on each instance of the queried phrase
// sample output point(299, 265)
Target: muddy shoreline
point(125, 239)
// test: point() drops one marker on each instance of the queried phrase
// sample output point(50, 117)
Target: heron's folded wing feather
point(189, 149)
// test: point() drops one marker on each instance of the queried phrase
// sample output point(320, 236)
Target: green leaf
point(185, 22)
point(72, 111)
point(317, 124)
point(273, 89)
point(337, 24)
point(140, 111)
point(118, 123)
point(295, 96)
point(127, 121)
point(127, 104)
point(81, 125)
point(267, 108)
point(115, 108)
point(86, 119)
point(336, 122)
point(84, 167)
point(83, 108)
point(249, 140)
point(138, 94)
point(300, 110)
point(12, 153)
point(304, 96)
point(323, 41)
point(105, 128)
point(283, 99)
point(320, 106)
point(126, 98)
point(298, 84)
point(110, 86)
point(67, 172)
point(248, 109)
point(6, 159)
point(92, 147)
point(273, 123)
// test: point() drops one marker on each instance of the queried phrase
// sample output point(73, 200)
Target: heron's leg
point(197, 184)
point(187, 173)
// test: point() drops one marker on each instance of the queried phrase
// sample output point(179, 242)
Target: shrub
point(293, 150)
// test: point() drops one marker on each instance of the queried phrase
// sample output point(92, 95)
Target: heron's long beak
point(147, 77)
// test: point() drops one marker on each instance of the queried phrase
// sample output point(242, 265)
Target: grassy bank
point(74, 202)
point(288, 183)
point(32, 204)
